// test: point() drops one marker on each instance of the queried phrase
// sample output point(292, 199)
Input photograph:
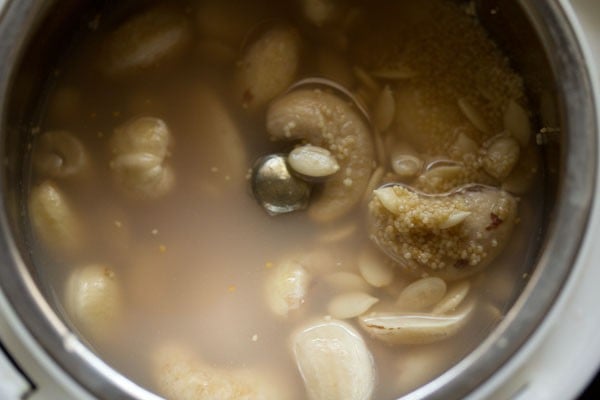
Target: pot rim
point(575, 194)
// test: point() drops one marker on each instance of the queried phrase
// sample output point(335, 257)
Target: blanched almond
point(422, 294)
point(334, 362)
point(350, 305)
point(411, 328)
point(453, 298)
point(516, 121)
point(374, 268)
point(385, 109)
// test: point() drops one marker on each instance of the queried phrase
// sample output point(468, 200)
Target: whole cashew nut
point(326, 120)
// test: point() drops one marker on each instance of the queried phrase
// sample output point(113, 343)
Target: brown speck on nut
point(496, 221)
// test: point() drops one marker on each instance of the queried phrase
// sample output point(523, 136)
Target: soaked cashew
point(59, 154)
point(53, 219)
point(286, 287)
point(93, 299)
point(179, 375)
point(139, 148)
point(146, 40)
point(415, 328)
point(326, 120)
point(334, 362)
point(433, 234)
point(268, 67)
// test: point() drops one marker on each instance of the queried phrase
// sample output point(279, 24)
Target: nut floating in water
point(139, 148)
point(350, 305)
point(268, 67)
point(146, 40)
point(276, 189)
point(334, 362)
point(286, 287)
point(451, 235)
point(415, 328)
point(181, 376)
point(59, 154)
point(422, 294)
point(53, 219)
point(93, 299)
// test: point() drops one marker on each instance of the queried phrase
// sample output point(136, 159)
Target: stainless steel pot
point(538, 36)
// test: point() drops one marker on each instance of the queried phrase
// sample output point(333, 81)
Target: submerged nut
point(179, 375)
point(413, 228)
point(52, 218)
point(344, 281)
point(473, 115)
point(327, 120)
point(286, 287)
point(415, 328)
point(385, 109)
point(405, 161)
point(59, 154)
point(139, 148)
point(453, 298)
point(463, 147)
point(334, 362)
point(93, 299)
point(276, 189)
point(146, 40)
point(422, 294)
point(268, 67)
point(350, 305)
point(516, 122)
point(217, 138)
point(374, 268)
point(313, 162)
point(501, 157)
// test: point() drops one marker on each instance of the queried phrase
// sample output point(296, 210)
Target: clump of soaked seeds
point(452, 235)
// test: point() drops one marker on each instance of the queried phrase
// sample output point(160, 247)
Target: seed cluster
point(417, 229)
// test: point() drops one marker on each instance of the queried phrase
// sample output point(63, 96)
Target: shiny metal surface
point(553, 67)
point(275, 188)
